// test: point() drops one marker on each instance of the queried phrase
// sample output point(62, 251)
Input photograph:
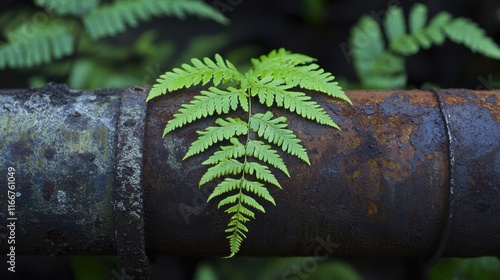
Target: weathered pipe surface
point(379, 187)
point(61, 144)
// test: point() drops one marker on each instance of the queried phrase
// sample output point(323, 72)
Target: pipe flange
point(446, 232)
point(128, 196)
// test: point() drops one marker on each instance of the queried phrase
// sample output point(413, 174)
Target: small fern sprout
point(242, 165)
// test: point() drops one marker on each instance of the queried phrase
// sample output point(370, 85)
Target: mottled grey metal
point(61, 143)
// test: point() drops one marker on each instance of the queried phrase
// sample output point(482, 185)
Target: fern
point(28, 46)
point(111, 19)
point(68, 7)
point(383, 66)
point(244, 165)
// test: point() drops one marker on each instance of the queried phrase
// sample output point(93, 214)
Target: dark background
point(259, 26)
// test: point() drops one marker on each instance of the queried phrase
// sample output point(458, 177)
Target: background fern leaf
point(206, 104)
point(29, 46)
point(468, 33)
point(381, 67)
point(274, 131)
point(277, 59)
point(200, 72)
point(258, 189)
point(417, 17)
point(394, 24)
point(114, 18)
point(260, 150)
point(302, 104)
point(227, 129)
point(68, 7)
point(240, 210)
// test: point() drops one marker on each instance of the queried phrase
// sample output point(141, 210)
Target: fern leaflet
point(379, 66)
point(208, 103)
point(68, 7)
point(269, 80)
point(114, 18)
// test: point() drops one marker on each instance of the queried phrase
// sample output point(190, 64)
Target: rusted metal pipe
point(379, 187)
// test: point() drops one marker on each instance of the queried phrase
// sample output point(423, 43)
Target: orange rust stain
point(372, 208)
point(453, 100)
point(421, 97)
point(429, 156)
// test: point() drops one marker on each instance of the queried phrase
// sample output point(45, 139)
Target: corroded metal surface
point(61, 143)
point(379, 187)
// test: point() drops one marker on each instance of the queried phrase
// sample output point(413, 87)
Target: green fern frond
point(275, 132)
point(68, 7)
point(310, 77)
point(417, 18)
point(207, 104)
point(28, 46)
point(265, 153)
point(379, 66)
point(468, 33)
point(114, 18)
point(268, 91)
point(395, 25)
point(196, 73)
point(270, 80)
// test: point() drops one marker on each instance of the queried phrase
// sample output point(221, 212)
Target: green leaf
point(395, 26)
point(223, 168)
point(274, 131)
point(277, 59)
point(114, 18)
point(193, 74)
point(29, 45)
point(261, 172)
point(468, 33)
point(264, 152)
point(244, 181)
point(236, 150)
point(417, 17)
point(68, 7)
point(227, 129)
